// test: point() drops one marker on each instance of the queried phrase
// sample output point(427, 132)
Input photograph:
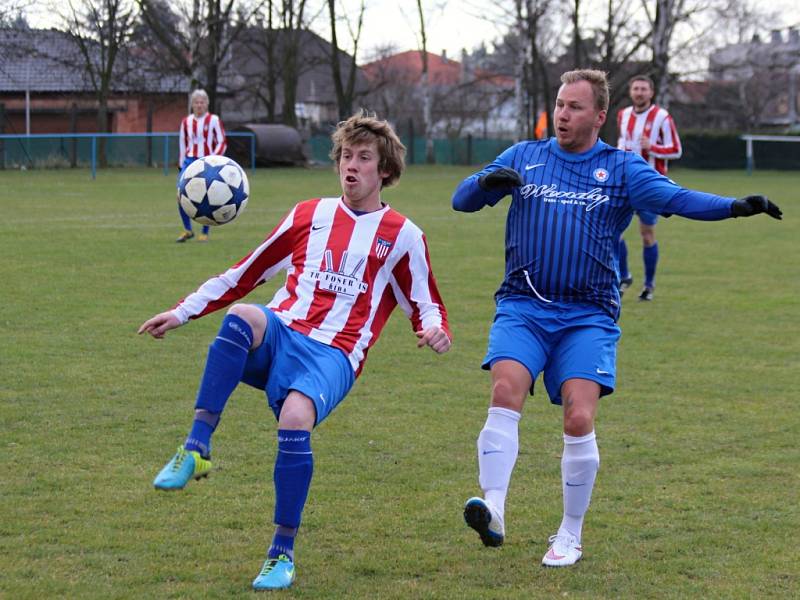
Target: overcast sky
point(450, 24)
point(455, 24)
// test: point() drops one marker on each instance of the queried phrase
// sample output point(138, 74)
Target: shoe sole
point(478, 517)
point(178, 489)
point(552, 566)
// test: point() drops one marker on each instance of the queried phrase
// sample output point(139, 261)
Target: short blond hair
point(597, 79)
point(365, 128)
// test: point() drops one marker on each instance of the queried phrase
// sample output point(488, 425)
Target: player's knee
point(506, 395)
point(297, 412)
point(578, 422)
point(254, 317)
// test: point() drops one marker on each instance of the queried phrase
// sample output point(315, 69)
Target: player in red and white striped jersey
point(201, 134)
point(649, 130)
point(349, 262)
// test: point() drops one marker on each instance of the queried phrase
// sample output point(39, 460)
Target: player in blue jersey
point(572, 196)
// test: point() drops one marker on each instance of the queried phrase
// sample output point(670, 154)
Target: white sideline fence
point(749, 139)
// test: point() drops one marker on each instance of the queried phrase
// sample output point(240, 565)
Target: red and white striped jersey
point(345, 273)
point(655, 124)
point(201, 136)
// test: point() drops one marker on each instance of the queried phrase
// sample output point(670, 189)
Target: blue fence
point(79, 149)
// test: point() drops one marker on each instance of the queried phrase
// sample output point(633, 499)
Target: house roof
point(48, 60)
point(692, 92)
point(408, 67)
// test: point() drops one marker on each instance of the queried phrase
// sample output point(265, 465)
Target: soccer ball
point(213, 190)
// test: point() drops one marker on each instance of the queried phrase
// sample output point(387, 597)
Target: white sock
point(579, 465)
point(498, 445)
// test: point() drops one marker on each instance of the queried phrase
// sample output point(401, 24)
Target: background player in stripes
point(649, 130)
point(557, 307)
point(350, 261)
point(201, 134)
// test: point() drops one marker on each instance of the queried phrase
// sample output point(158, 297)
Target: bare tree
point(392, 91)
point(101, 30)
point(12, 12)
point(426, 89)
point(577, 43)
point(344, 91)
point(196, 36)
point(293, 21)
point(268, 40)
point(533, 19)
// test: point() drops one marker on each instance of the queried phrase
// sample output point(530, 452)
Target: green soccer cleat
point(183, 466)
point(276, 574)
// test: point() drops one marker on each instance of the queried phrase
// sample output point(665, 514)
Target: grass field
point(698, 492)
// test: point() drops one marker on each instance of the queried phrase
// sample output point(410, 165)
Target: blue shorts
point(287, 360)
point(186, 162)
point(647, 217)
point(563, 340)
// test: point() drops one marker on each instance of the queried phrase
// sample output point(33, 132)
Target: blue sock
point(227, 356)
point(205, 229)
point(282, 542)
point(622, 252)
point(650, 256)
point(199, 437)
point(187, 222)
point(294, 466)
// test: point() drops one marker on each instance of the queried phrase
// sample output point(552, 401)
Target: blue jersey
point(565, 220)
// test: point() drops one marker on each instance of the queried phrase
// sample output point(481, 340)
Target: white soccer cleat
point(564, 550)
point(484, 518)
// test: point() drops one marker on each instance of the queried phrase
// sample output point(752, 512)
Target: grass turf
point(698, 490)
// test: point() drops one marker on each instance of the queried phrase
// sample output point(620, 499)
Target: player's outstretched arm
point(435, 337)
point(160, 324)
point(753, 205)
point(503, 179)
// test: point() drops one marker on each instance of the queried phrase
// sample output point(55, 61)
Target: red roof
point(407, 66)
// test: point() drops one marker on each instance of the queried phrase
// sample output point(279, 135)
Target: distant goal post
point(749, 139)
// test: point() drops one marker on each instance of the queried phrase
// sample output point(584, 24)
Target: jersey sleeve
point(415, 287)
point(469, 197)
point(182, 142)
point(621, 138)
point(700, 206)
point(218, 135)
point(272, 255)
point(647, 188)
point(651, 191)
point(669, 147)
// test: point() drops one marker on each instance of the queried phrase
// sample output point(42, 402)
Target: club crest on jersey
point(600, 174)
point(382, 247)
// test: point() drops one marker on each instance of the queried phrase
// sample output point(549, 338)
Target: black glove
point(752, 205)
point(503, 179)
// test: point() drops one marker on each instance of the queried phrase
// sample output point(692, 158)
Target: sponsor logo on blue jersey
point(550, 193)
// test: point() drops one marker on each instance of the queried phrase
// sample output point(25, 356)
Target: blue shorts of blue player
point(572, 344)
point(647, 217)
